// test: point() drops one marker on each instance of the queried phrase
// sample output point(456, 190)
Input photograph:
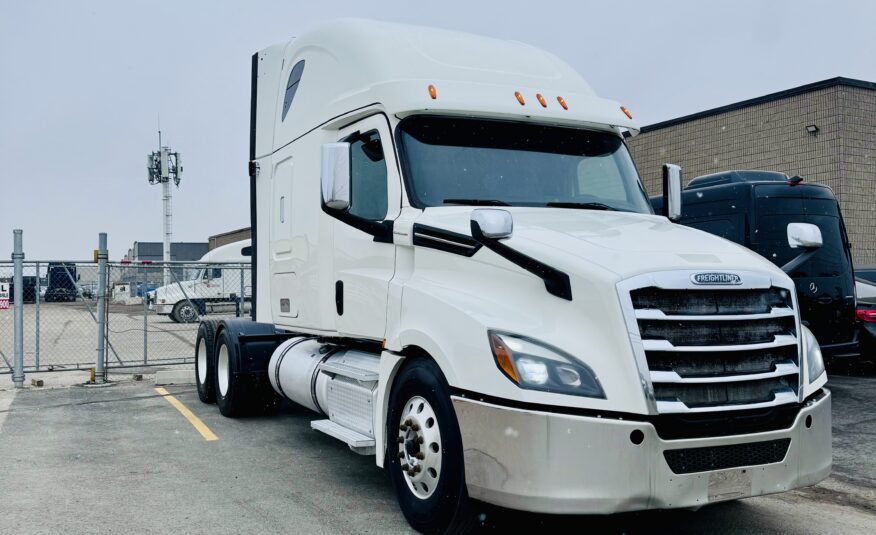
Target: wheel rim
point(202, 362)
point(419, 447)
point(187, 313)
point(222, 370)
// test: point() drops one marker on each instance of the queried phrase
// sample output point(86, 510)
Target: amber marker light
point(626, 112)
point(503, 358)
point(541, 100)
point(433, 92)
point(519, 98)
point(562, 102)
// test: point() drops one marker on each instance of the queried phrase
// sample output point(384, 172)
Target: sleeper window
point(292, 86)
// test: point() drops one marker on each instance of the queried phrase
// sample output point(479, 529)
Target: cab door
point(364, 255)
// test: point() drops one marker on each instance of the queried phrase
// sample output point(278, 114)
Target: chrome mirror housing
point(493, 222)
point(805, 235)
point(335, 175)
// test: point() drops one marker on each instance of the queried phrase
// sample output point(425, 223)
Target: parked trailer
point(477, 292)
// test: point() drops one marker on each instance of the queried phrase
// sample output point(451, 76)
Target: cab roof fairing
point(352, 63)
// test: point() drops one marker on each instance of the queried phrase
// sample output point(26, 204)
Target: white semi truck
point(216, 283)
point(456, 265)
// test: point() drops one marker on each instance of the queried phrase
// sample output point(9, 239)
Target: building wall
point(772, 136)
point(230, 237)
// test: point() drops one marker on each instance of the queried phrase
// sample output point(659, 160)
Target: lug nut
point(408, 422)
point(401, 455)
point(405, 467)
point(421, 455)
point(417, 469)
point(420, 440)
point(401, 440)
point(415, 427)
point(402, 427)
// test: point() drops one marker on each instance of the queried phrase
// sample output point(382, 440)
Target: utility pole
point(165, 166)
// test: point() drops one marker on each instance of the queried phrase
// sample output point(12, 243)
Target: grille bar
point(655, 314)
point(692, 460)
point(710, 333)
point(677, 407)
point(717, 302)
point(673, 377)
point(665, 345)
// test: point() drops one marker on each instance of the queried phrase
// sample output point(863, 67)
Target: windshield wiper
point(477, 202)
point(582, 205)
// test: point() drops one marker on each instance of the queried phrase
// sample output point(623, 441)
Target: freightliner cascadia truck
point(455, 264)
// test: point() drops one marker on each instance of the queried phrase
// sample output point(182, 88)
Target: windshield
point(197, 274)
point(475, 161)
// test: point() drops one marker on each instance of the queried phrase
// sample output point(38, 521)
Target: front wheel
point(425, 456)
point(185, 312)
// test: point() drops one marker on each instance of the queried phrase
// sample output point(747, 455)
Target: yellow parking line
point(194, 420)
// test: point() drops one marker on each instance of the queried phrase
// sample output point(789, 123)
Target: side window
point(368, 177)
point(217, 273)
point(292, 87)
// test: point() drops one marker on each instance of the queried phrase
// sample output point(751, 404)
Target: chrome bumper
point(557, 463)
point(161, 309)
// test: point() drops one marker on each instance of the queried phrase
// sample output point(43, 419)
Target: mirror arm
point(555, 281)
point(381, 230)
point(798, 260)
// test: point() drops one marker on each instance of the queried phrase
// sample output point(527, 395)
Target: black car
point(753, 209)
point(865, 287)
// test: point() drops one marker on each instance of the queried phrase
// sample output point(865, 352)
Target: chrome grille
point(718, 349)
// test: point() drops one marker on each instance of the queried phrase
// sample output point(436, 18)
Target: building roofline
point(830, 82)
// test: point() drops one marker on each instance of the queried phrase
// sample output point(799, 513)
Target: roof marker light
point(433, 92)
point(519, 98)
point(626, 112)
point(562, 102)
point(541, 100)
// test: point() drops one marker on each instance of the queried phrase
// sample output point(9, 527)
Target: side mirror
point(494, 223)
point(805, 235)
point(672, 191)
point(335, 175)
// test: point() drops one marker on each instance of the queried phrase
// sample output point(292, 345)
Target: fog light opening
point(637, 437)
point(808, 421)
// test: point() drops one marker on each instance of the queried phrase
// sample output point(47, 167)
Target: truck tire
point(231, 389)
point(186, 312)
point(426, 466)
point(205, 361)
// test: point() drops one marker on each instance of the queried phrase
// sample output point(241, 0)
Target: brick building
point(825, 132)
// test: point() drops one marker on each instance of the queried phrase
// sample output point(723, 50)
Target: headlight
point(537, 366)
point(814, 360)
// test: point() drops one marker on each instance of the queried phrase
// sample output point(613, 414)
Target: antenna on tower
point(165, 166)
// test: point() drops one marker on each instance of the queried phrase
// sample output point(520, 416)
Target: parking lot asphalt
point(123, 459)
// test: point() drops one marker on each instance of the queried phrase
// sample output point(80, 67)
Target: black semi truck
point(753, 209)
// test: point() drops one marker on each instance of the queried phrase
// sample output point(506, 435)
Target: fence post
point(18, 310)
point(99, 370)
point(36, 340)
point(240, 297)
point(145, 319)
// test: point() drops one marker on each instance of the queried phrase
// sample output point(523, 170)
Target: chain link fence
point(152, 311)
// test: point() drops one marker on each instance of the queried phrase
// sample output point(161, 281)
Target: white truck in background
point(210, 288)
point(456, 264)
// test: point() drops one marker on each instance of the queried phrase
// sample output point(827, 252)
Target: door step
point(359, 443)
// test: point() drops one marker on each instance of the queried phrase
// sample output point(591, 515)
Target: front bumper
point(558, 463)
point(160, 309)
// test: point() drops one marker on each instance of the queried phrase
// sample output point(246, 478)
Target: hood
point(625, 244)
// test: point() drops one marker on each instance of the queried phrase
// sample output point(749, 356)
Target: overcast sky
point(82, 85)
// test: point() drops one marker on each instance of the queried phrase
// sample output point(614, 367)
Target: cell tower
point(165, 167)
